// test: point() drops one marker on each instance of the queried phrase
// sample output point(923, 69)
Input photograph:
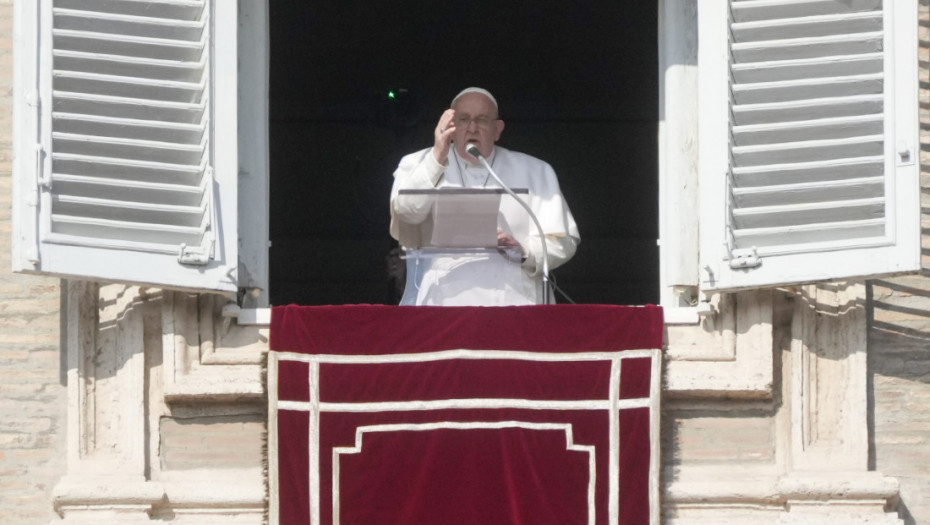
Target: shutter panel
point(126, 159)
point(819, 179)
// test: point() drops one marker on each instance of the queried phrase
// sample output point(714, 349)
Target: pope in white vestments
point(512, 276)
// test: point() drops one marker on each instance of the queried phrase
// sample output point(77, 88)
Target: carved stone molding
point(106, 444)
point(208, 356)
point(829, 410)
point(728, 354)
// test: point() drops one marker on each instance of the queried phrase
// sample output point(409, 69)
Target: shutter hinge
point(32, 256)
point(744, 258)
point(44, 179)
point(195, 255)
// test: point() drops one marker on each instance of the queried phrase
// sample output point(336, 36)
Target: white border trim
point(567, 428)
point(613, 440)
point(466, 403)
point(274, 491)
point(443, 355)
point(313, 441)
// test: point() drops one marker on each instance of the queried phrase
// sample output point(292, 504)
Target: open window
point(577, 87)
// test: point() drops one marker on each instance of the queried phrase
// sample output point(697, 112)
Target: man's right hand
point(443, 136)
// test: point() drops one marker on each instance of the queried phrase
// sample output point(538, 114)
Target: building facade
point(128, 399)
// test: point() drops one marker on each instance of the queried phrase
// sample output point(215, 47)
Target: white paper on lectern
point(465, 221)
point(458, 217)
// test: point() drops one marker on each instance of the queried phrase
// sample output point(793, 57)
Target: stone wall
point(32, 395)
point(899, 346)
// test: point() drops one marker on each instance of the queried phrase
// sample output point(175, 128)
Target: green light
point(392, 95)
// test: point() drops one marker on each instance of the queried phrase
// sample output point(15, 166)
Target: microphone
point(472, 149)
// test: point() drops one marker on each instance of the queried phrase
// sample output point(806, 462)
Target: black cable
point(555, 287)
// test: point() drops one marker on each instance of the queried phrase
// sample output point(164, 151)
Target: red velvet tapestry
point(442, 415)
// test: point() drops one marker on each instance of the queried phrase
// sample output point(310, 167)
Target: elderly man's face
point(476, 122)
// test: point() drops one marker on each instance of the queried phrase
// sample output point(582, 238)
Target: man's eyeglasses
point(481, 122)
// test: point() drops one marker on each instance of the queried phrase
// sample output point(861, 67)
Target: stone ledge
point(205, 496)
point(837, 486)
point(215, 488)
point(850, 498)
point(106, 494)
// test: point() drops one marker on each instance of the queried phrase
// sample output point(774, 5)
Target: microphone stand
point(472, 150)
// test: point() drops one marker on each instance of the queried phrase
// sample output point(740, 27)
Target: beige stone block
point(47, 403)
point(32, 456)
point(13, 440)
point(906, 439)
point(10, 289)
point(7, 354)
point(721, 440)
point(49, 287)
point(39, 306)
point(38, 339)
point(45, 358)
point(221, 441)
point(27, 376)
point(25, 425)
point(8, 324)
point(12, 481)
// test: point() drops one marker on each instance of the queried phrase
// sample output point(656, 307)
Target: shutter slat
point(119, 231)
point(808, 151)
point(121, 148)
point(129, 170)
point(141, 26)
point(807, 27)
point(805, 172)
point(117, 243)
point(130, 128)
point(129, 107)
point(132, 191)
point(807, 109)
point(175, 9)
point(121, 66)
point(809, 192)
point(836, 128)
point(826, 236)
point(145, 89)
point(801, 48)
point(793, 90)
point(783, 70)
point(128, 211)
point(754, 10)
point(809, 213)
point(162, 49)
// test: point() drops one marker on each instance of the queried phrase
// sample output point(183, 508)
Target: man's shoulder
point(414, 158)
point(411, 160)
point(524, 159)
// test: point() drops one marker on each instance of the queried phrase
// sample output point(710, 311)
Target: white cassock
point(494, 279)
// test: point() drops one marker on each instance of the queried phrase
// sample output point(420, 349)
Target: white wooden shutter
point(126, 141)
point(809, 140)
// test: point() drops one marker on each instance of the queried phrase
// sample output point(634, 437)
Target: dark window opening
point(577, 86)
